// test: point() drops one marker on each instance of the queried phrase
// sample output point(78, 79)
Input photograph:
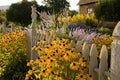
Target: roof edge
point(81, 3)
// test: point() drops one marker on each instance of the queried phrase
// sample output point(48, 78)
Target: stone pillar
point(34, 30)
point(34, 17)
point(3, 27)
point(115, 54)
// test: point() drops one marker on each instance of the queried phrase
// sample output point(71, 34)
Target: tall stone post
point(3, 27)
point(33, 16)
point(34, 30)
point(115, 54)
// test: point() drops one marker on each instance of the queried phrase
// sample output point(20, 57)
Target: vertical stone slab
point(93, 63)
point(115, 54)
point(3, 27)
point(34, 31)
point(72, 44)
point(103, 66)
point(86, 51)
point(78, 46)
point(29, 43)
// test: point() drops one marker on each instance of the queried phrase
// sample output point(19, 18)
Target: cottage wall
point(84, 8)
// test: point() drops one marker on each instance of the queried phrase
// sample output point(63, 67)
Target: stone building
point(87, 6)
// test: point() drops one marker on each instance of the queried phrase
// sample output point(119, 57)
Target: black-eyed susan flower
point(81, 77)
point(43, 73)
point(59, 77)
point(89, 77)
point(58, 58)
point(74, 66)
point(30, 72)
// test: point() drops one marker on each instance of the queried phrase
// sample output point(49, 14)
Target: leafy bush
point(72, 12)
point(103, 40)
point(88, 19)
point(13, 56)
point(20, 12)
point(104, 30)
point(108, 10)
point(57, 61)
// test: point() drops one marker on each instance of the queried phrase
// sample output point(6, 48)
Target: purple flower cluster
point(82, 32)
point(83, 35)
point(77, 25)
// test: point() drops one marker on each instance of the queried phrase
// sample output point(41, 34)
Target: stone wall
point(84, 8)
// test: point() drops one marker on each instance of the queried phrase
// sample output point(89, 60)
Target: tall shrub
point(108, 10)
point(13, 56)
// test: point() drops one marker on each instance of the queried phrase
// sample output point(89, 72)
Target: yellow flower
point(50, 67)
point(26, 78)
point(83, 62)
point(36, 61)
point(80, 77)
point(63, 19)
point(33, 47)
point(43, 73)
point(59, 78)
point(74, 66)
point(89, 77)
point(68, 18)
point(66, 57)
point(84, 69)
point(33, 68)
point(55, 58)
point(74, 19)
point(30, 63)
point(30, 72)
point(88, 16)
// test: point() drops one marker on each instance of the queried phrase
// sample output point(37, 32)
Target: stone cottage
point(87, 6)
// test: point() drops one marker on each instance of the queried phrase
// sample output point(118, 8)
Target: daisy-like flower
point(74, 66)
point(59, 77)
point(81, 77)
point(59, 61)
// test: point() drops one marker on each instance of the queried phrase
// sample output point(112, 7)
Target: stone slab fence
point(100, 71)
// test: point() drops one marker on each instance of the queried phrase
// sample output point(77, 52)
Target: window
point(90, 10)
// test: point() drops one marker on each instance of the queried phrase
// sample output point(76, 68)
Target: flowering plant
point(88, 19)
point(13, 56)
point(103, 40)
point(57, 61)
point(84, 35)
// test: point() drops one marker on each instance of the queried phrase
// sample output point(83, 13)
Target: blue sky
point(73, 3)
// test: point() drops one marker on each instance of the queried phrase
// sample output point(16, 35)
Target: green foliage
point(13, 56)
point(20, 12)
point(2, 16)
point(56, 5)
point(0, 30)
point(88, 19)
point(108, 10)
point(65, 36)
point(43, 9)
point(104, 30)
point(72, 12)
point(90, 22)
